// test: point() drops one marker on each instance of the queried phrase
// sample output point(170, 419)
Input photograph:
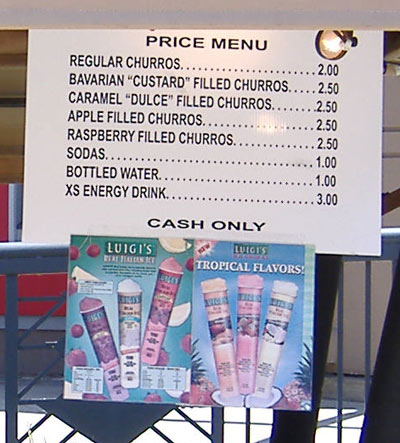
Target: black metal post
point(381, 421)
point(11, 358)
point(299, 427)
point(217, 425)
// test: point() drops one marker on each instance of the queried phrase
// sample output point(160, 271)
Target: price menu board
point(232, 135)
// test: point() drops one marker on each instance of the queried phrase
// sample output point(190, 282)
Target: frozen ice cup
point(250, 289)
point(96, 322)
point(280, 309)
point(220, 326)
point(167, 284)
point(129, 309)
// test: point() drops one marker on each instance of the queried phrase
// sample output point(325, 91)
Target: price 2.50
point(330, 88)
point(327, 125)
point(329, 143)
point(329, 107)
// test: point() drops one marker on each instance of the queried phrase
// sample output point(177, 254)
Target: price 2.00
point(331, 70)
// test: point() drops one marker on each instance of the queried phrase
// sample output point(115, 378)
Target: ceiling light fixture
point(333, 45)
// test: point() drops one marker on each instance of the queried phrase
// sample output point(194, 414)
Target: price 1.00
point(326, 162)
point(326, 180)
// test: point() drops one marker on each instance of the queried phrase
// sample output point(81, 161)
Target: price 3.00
point(327, 199)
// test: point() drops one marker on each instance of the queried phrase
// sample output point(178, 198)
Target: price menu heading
point(231, 135)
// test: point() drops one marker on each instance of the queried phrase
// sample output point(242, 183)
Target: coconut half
point(174, 245)
point(80, 274)
point(179, 314)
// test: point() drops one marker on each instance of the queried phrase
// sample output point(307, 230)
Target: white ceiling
point(258, 14)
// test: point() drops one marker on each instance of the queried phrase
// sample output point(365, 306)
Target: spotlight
point(333, 45)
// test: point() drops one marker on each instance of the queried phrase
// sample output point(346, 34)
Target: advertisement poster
point(191, 322)
point(128, 319)
point(249, 135)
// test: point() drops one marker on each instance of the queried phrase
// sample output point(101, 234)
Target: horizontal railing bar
point(391, 129)
point(11, 250)
point(345, 416)
point(34, 401)
point(175, 420)
point(390, 247)
point(391, 233)
point(12, 102)
point(227, 422)
point(391, 155)
point(22, 249)
point(41, 298)
point(323, 422)
point(33, 265)
point(31, 347)
point(32, 258)
point(51, 346)
point(53, 323)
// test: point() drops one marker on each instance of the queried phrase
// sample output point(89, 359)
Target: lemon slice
point(80, 274)
point(174, 245)
point(179, 314)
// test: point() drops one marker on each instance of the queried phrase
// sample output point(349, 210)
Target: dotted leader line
point(267, 127)
point(248, 71)
point(302, 91)
point(265, 145)
point(284, 109)
point(213, 162)
point(271, 145)
point(238, 181)
point(242, 200)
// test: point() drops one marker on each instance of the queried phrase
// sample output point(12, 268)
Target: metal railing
point(18, 258)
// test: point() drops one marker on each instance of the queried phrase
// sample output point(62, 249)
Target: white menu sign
point(231, 135)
